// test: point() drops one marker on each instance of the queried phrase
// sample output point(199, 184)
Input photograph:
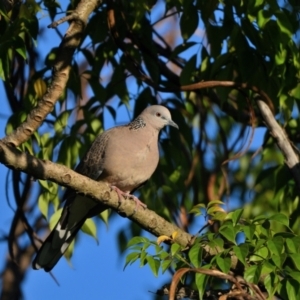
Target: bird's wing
point(76, 210)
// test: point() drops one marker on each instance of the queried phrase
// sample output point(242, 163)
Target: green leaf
point(278, 260)
point(259, 218)
point(284, 25)
point(165, 265)
point(96, 125)
point(175, 176)
point(218, 243)
point(295, 275)
point(54, 218)
point(267, 268)
point(217, 213)
point(252, 274)
point(162, 254)
point(175, 248)
point(159, 250)
point(216, 209)
point(189, 71)
point(131, 258)
point(292, 289)
point(241, 251)
point(146, 246)
point(228, 232)
point(154, 264)
point(236, 216)
point(195, 255)
point(137, 240)
point(263, 17)
point(189, 22)
point(62, 121)
point(143, 258)
point(271, 283)
point(45, 184)
point(296, 260)
point(197, 209)
point(43, 203)
point(89, 227)
point(263, 230)
point(105, 215)
point(290, 245)
point(152, 67)
point(261, 254)
point(214, 202)
point(281, 55)
point(249, 231)
point(295, 92)
point(280, 218)
point(223, 263)
point(201, 281)
point(276, 245)
point(69, 151)
point(284, 234)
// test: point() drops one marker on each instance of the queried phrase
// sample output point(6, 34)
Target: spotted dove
point(124, 157)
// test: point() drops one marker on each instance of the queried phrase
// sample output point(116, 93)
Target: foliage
point(264, 251)
point(142, 55)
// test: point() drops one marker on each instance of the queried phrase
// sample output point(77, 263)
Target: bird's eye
point(158, 114)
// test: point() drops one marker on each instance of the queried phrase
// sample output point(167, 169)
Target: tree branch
point(60, 74)
point(282, 141)
point(218, 83)
point(100, 191)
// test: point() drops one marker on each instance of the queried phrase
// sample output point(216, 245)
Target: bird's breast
point(130, 163)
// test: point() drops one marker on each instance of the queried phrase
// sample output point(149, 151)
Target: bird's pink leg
point(122, 195)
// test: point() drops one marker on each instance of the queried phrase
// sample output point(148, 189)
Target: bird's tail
point(75, 212)
point(55, 246)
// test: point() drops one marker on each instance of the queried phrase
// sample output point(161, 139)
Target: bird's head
point(158, 116)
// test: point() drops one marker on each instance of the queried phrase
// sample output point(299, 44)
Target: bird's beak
point(172, 123)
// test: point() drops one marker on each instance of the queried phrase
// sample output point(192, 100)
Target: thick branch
point(280, 136)
point(60, 74)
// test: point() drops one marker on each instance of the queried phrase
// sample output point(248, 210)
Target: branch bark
point(282, 141)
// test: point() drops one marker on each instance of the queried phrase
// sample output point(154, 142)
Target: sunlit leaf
point(252, 273)
point(90, 228)
point(223, 263)
point(228, 232)
point(154, 264)
point(241, 251)
point(137, 240)
point(195, 255)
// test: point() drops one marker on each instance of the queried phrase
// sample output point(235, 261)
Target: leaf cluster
point(254, 250)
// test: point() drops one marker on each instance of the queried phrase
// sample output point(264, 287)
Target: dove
point(124, 157)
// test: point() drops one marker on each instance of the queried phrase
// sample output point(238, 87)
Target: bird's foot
point(122, 195)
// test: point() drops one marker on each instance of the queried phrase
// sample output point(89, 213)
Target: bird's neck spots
point(137, 124)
